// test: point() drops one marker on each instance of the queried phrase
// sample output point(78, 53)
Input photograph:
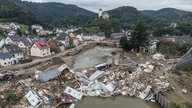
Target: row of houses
point(16, 48)
point(11, 28)
point(12, 25)
point(12, 54)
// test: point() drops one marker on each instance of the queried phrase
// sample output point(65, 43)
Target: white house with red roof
point(40, 49)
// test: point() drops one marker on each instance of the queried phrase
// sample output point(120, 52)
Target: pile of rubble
point(62, 85)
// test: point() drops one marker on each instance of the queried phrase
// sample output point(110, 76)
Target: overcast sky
point(95, 5)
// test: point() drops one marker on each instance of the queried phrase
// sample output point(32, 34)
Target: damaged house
point(50, 74)
point(56, 46)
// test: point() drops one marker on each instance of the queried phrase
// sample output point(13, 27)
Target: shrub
point(188, 105)
point(10, 96)
point(174, 105)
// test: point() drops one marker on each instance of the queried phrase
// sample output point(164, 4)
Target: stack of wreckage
point(45, 90)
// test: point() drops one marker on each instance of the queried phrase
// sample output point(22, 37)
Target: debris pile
point(58, 86)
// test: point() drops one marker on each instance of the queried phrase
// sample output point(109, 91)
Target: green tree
point(109, 26)
point(158, 31)
point(19, 32)
point(115, 25)
point(29, 29)
point(190, 33)
point(34, 31)
point(1, 32)
point(105, 26)
point(184, 27)
point(123, 43)
point(139, 36)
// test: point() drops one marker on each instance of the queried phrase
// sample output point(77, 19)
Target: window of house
point(5, 63)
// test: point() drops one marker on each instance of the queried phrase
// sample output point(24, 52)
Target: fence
point(162, 100)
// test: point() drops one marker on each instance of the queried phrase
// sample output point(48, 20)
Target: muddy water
point(102, 55)
point(93, 56)
point(114, 102)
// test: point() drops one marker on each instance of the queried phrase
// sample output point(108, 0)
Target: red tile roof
point(42, 45)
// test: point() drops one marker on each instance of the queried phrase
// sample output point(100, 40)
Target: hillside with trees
point(166, 13)
point(127, 16)
point(9, 12)
point(164, 19)
point(57, 13)
point(99, 25)
point(159, 22)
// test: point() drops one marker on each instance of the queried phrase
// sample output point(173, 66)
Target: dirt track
point(40, 60)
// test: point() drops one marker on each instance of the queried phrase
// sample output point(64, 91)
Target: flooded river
point(99, 55)
point(93, 56)
point(115, 102)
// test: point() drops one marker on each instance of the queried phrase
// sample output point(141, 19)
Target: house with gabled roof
point(117, 35)
point(33, 38)
point(14, 39)
point(24, 42)
point(14, 26)
point(40, 49)
point(16, 51)
point(6, 59)
point(64, 38)
point(11, 33)
point(37, 27)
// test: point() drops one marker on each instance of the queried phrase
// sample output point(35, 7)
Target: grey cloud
point(94, 5)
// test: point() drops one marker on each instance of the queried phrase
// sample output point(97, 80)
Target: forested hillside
point(57, 13)
point(9, 12)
